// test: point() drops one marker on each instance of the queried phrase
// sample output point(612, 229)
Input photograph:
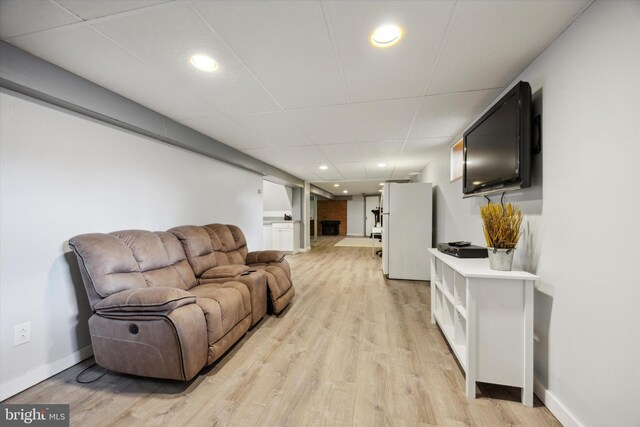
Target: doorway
point(370, 203)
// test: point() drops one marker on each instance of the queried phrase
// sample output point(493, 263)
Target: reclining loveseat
point(218, 253)
point(153, 317)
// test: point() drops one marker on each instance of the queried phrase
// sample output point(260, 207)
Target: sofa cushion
point(229, 243)
point(224, 306)
point(197, 246)
point(224, 271)
point(256, 283)
point(160, 258)
point(132, 259)
point(108, 262)
point(261, 257)
point(154, 300)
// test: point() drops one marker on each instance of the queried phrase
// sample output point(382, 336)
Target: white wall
point(582, 231)
point(355, 216)
point(277, 199)
point(63, 175)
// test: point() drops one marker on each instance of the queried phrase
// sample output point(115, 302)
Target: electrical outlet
point(21, 333)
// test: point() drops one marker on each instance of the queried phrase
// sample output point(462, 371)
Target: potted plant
point(501, 225)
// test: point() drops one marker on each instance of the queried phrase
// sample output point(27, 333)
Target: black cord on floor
point(93, 380)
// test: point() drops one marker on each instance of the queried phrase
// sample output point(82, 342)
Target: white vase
point(500, 259)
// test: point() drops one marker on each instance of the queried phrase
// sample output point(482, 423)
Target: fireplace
point(330, 228)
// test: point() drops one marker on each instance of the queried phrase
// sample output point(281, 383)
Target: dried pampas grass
point(501, 225)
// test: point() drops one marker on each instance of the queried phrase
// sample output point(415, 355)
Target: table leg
point(471, 387)
point(527, 396)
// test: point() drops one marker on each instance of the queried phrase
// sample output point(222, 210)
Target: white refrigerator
point(406, 230)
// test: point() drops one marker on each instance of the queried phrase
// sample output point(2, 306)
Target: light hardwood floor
point(352, 349)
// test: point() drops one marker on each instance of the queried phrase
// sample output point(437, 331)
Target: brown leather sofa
point(152, 316)
point(218, 252)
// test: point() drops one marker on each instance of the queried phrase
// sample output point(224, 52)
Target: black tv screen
point(497, 148)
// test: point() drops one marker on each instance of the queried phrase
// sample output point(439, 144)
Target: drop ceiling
point(298, 83)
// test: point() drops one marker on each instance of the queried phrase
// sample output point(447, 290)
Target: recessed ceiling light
point(204, 63)
point(345, 191)
point(323, 167)
point(382, 165)
point(380, 190)
point(336, 185)
point(382, 183)
point(386, 35)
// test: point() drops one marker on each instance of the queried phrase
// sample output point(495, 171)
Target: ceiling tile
point(306, 154)
point(410, 164)
point(397, 72)
point(327, 125)
point(301, 172)
point(380, 151)
point(87, 53)
point(285, 44)
point(374, 172)
point(167, 37)
point(359, 174)
point(96, 9)
point(384, 119)
point(351, 170)
point(18, 17)
point(275, 128)
point(227, 131)
point(448, 115)
point(331, 174)
point(404, 173)
point(492, 41)
point(342, 152)
point(423, 145)
point(406, 166)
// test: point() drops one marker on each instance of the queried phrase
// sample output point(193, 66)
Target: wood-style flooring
point(352, 349)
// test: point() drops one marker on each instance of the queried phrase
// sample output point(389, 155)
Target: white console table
point(487, 318)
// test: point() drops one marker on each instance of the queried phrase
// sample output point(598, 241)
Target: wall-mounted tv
point(497, 147)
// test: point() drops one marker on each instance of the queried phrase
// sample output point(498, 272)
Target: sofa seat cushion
point(154, 300)
point(257, 266)
point(256, 282)
point(264, 256)
point(224, 271)
point(224, 306)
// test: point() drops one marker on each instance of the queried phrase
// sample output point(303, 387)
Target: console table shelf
point(487, 318)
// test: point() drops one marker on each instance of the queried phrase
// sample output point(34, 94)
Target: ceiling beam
point(320, 192)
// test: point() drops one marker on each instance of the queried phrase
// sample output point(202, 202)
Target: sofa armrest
point(264, 257)
point(224, 271)
point(145, 300)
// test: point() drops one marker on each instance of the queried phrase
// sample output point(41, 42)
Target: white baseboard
point(554, 405)
point(33, 377)
point(305, 249)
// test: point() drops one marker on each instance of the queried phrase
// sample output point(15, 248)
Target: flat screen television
point(497, 147)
